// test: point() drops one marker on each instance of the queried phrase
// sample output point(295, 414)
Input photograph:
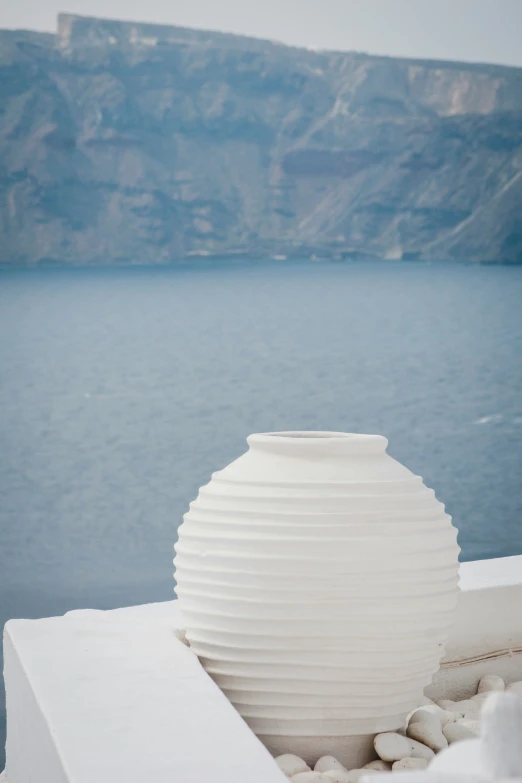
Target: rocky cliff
point(137, 143)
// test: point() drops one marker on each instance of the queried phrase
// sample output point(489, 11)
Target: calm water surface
point(121, 391)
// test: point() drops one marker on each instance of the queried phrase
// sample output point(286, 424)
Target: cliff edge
point(136, 143)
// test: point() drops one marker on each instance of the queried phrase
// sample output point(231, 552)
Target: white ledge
point(486, 574)
point(489, 609)
point(487, 631)
point(115, 696)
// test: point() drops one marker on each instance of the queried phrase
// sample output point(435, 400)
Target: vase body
point(317, 579)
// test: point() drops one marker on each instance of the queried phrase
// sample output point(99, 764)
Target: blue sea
point(123, 389)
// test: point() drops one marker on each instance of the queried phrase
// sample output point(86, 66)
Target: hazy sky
point(475, 30)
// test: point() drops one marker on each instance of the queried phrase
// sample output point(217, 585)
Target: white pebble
point(291, 765)
point(441, 716)
point(379, 765)
point(447, 704)
point(462, 707)
point(466, 704)
point(339, 776)
point(310, 777)
point(472, 714)
point(472, 725)
point(428, 735)
point(404, 765)
point(515, 687)
point(449, 716)
point(353, 776)
point(420, 751)
point(429, 718)
point(454, 732)
point(490, 682)
point(327, 763)
point(391, 746)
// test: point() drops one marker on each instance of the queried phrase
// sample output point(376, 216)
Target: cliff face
point(134, 143)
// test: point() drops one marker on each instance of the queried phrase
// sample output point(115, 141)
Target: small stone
point(435, 715)
point(428, 735)
point(391, 746)
point(449, 716)
point(462, 707)
point(327, 763)
point(447, 704)
point(310, 777)
point(472, 715)
point(466, 704)
point(490, 682)
point(429, 718)
point(443, 716)
point(404, 765)
point(420, 751)
point(454, 732)
point(338, 776)
point(472, 725)
point(291, 765)
point(379, 765)
point(515, 687)
point(353, 776)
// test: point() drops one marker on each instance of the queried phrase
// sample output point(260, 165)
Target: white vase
point(317, 578)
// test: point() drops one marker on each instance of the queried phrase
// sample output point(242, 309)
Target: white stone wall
point(116, 696)
point(487, 631)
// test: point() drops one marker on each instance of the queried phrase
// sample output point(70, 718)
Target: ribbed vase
point(317, 579)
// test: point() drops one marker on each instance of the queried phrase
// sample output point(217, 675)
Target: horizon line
point(272, 41)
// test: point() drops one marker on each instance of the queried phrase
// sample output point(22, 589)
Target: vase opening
point(310, 434)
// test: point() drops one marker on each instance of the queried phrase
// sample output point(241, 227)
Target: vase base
point(353, 751)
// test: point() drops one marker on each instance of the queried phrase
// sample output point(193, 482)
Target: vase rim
point(314, 434)
point(318, 440)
